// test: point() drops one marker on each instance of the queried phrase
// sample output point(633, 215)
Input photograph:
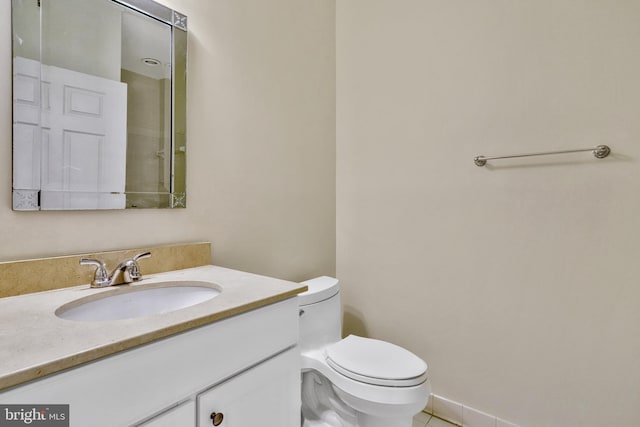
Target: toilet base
point(363, 421)
point(323, 405)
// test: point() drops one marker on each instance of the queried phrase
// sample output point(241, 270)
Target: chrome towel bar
point(600, 152)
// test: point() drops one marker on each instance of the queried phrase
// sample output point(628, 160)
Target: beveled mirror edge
point(179, 118)
point(157, 11)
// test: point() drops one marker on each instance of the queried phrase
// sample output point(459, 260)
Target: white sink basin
point(134, 302)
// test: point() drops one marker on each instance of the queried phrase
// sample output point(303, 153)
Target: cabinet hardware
point(216, 418)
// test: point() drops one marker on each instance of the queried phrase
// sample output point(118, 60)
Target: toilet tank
point(320, 313)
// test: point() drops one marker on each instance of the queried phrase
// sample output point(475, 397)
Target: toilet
point(355, 381)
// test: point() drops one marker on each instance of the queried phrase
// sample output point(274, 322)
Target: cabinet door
point(183, 415)
point(267, 395)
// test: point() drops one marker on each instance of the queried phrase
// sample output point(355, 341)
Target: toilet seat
point(368, 398)
point(376, 362)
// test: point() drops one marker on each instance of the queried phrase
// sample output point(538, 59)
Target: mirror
point(99, 105)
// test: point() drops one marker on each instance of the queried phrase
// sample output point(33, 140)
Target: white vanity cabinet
point(262, 396)
point(245, 367)
point(182, 415)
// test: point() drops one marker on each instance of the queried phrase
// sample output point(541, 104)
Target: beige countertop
point(34, 342)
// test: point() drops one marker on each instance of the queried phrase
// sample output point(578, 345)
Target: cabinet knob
point(216, 418)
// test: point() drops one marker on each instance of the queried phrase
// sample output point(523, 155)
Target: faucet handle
point(132, 271)
point(101, 275)
point(142, 256)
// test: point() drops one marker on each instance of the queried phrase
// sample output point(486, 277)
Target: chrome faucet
point(126, 272)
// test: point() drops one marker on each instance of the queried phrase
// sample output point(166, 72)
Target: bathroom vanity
point(230, 361)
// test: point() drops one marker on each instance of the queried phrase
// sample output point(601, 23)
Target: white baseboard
point(463, 415)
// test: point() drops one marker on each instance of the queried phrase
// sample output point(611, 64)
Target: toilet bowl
point(355, 381)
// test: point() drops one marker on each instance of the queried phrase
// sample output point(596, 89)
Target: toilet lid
point(376, 362)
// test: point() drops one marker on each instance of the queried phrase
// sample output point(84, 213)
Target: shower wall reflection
point(149, 140)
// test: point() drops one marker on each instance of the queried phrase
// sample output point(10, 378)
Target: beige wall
point(97, 52)
point(517, 283)
point(261, 163)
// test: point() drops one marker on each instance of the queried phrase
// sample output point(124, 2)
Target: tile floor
point(426, 420)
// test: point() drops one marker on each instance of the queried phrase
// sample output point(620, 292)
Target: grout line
point(455, 413)
point(446, 421)
point(425, 418)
